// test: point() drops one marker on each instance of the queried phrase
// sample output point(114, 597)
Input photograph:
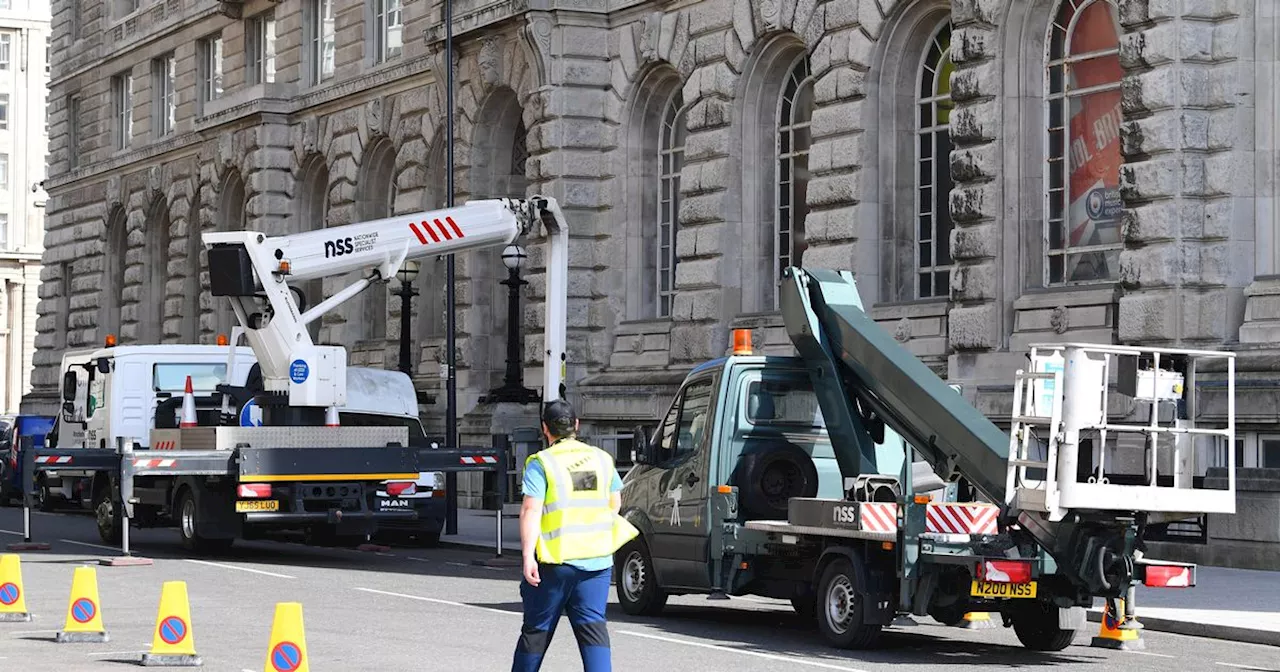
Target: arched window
point(313, 214)
point(795, 108)
point(113, 273)
point(519, 161)
point(375, 200)
point(671, 158)
point(193, 266)
point(231, 217)
point(933, 174)
point(1082, 230)
point(156, 274)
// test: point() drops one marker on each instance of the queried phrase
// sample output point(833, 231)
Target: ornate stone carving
point(769, 13)
point(489, 61)
point(310, 135)
point(232, 9)
point(155, 181)
point(1058, 319)
point(373, 115)
point(638, 348)
point(113, 190)
point(538, 35)
point(902, 332)
point(651, 30)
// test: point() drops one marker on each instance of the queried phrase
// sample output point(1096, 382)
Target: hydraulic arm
point(302, 379)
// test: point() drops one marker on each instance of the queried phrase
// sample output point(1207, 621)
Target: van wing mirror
point(640, 444)
point(104, 365)
point(69, 386)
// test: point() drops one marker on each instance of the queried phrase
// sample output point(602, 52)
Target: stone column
point(1184, 183)
point(975, 319)
point(1262, 296)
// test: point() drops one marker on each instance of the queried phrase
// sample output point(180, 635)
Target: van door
point(679, 487)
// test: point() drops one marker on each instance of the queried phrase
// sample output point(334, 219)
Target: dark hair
point(559, 417)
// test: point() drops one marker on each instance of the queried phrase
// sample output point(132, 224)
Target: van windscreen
point(173, 377)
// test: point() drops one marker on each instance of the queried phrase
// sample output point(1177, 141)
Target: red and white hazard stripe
point(50, 459)
point(479, 460)
point(436, 230)
point(961, 518)
point(165, 445)
point(878, 516)
point(148, 464)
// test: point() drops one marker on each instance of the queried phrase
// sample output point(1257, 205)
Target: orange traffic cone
point(1115, 633)
point(976, 620)
point(188, 407)
point(331, 417)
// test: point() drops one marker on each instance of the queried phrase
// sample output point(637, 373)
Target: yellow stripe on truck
point(257, 478)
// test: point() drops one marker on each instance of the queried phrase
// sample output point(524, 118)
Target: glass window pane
point(926, 285)
point(1055, 234)
point(926, 255)
point(1055, 269)
point(926, 147)
point(926, 227)
point(926, 199)
point(942, 283)
point(926, 114)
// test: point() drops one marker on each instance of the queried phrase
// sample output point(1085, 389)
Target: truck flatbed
point(784, 527)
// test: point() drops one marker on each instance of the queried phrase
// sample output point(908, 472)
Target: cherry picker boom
point(216, 482)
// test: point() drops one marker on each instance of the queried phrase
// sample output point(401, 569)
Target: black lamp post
point(407, 274)
point(513, 389)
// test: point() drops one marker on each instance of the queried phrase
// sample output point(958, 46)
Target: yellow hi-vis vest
point(577, 521)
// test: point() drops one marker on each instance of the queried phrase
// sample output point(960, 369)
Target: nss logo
point(337, 248)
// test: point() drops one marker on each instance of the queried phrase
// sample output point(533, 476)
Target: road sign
point(83, 610)
point(173, 630)
point(286, 657)
point(251, 414)
point(9, 594)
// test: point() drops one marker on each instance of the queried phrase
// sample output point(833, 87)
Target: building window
point(388, 24)
point(671, 158)
point(260, 49)
point(210, 68)
point(6, 4)
point(163, 74)
point(4, 171)
point(122, 108)
point(794, 111)
point(6, 50)
point(321, 38)
point(75, 20)
point(4, 230)
point(47, 64)
point(933, 174)
point(4, 111)
point(73, 126)
point(1082, 231)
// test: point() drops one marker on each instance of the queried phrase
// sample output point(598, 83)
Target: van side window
point(693, 417)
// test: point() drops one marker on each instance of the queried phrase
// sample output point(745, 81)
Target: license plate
point(245, 506)
point(1003, 590)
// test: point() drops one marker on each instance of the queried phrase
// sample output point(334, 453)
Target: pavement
point(436, 609)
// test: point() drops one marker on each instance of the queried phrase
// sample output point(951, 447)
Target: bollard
point(28, 497)
point(500, 442)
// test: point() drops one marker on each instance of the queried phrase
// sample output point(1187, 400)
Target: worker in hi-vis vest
point(569, 531)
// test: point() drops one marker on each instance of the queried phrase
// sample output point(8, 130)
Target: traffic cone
point(976, 620)
point(84, 611)
point(188, 407)
point(1114, 633)
point(174, 642)
point(13, 601)
point(288, 649)
point(331, 417)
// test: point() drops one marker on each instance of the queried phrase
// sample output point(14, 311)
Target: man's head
point(559, 420)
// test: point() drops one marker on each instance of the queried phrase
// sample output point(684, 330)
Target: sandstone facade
point(993, 173)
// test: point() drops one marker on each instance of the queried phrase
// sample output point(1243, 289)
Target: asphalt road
point(432, 609)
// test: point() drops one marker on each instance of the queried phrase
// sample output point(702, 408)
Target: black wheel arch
point(880, 606)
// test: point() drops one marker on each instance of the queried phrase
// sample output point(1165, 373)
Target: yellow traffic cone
point(977, 620)
point(174, 643)
point(84, 610)
point(1114, 633)
point(13, 601)
point(288, 649)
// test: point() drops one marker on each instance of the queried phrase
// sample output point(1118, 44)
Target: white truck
point(218, 480)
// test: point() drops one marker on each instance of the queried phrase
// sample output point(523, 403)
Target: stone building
point(24, 78)
point(996, 172)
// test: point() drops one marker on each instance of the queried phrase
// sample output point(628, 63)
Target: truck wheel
point(110, 516)
point(840, 607)
point(1037, 628)
point(189, 527)
point(638, 589)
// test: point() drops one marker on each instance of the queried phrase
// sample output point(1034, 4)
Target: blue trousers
point(584, 596)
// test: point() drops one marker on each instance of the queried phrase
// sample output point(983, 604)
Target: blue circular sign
point(250, 416)
point(9, 594)
point(83, 610)
point(298, 371)
point(286, 657)
point(173, 630)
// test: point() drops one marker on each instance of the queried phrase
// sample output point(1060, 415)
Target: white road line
point(119, 653)
point(727, 649)
point(1242, 667)
point(33, 632)
point(1148, 653)
point(84, 543)
point(439, 601)
point(16, 534)
point(242, 569)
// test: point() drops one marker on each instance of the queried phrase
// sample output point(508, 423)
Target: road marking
point(243, 569)
point(119, 653)
point(84, 543)
point(757, 654)
point(1148, 653)
point(1242, 667)
point(33, 632)
point(439, 601)
point(16, 534)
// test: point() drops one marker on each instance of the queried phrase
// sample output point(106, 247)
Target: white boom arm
point(254, 271)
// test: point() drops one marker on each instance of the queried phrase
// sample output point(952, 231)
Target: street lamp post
point(407, 274)
point(513, 389)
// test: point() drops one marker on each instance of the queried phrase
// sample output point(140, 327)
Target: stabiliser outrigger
point(296, 470)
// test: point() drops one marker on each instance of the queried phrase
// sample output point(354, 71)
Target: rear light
point(1004, 571)
point(1168, 576)
point(254, 490)
point(400, 488)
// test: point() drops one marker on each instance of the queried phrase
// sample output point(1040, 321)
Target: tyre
point(638, 589)
point(108, 514)
point(769, 476)
point(189, 526)
point(1037, 628)
point(840, 608)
